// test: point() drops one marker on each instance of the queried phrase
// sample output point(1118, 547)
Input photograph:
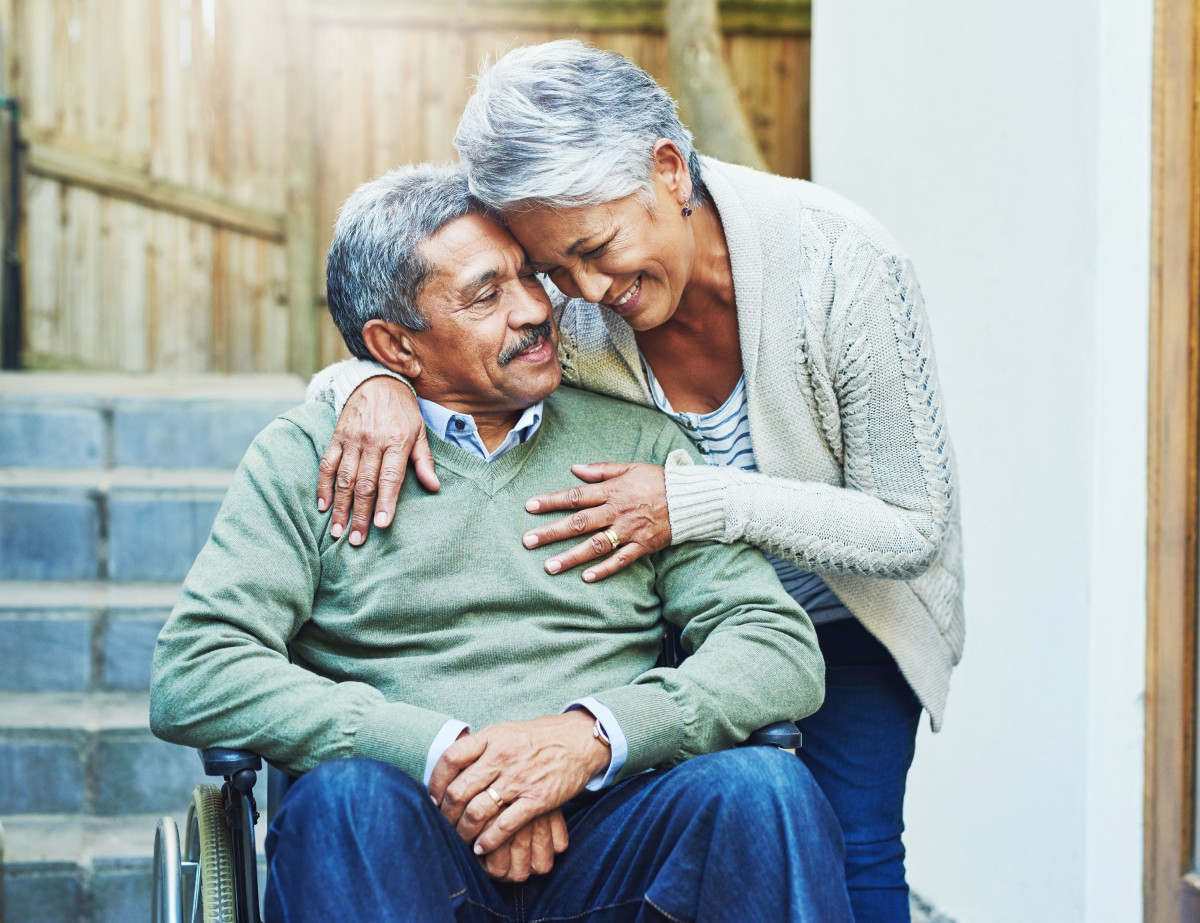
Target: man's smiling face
point(491, 344)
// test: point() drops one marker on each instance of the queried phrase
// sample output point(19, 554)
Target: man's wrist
point(597, 753)
point(451, 731)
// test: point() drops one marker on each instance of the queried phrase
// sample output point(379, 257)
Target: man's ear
point(393, 346)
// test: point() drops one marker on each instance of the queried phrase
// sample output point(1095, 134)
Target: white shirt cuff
point(441, 743)
point(616, 737)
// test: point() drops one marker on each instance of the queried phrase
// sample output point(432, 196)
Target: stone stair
point(108, 487)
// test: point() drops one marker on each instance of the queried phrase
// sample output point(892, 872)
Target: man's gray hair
point(564, 124)
point(375, 269)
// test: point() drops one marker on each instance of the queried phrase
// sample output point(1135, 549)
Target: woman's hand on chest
point(621, 511)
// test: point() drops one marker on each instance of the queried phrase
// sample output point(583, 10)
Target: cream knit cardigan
point(856, 475)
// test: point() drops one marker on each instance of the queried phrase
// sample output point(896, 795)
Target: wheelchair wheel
point(208, 893)
point(168, 906)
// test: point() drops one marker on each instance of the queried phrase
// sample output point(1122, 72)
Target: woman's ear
point(393, 346)
point(672, 169)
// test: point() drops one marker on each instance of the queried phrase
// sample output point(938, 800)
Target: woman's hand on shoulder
point(379, 433)
point(622, 509)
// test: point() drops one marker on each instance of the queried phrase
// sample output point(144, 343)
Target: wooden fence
point(185, 159)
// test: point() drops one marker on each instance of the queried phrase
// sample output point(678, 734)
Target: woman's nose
point(592, 285)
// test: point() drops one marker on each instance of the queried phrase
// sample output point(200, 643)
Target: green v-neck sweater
point(445, 614)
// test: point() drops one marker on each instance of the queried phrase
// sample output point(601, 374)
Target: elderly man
point(459, 715)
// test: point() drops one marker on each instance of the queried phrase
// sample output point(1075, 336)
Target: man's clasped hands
point(532, 767)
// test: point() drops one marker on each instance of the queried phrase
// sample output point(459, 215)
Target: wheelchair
point(211, 875)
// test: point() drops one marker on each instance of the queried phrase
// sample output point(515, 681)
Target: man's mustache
point(540, 332)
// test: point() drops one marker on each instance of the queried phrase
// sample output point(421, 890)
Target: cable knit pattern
point(855, 364)
point(815, 284)
point(916, 354)
point(856, 469)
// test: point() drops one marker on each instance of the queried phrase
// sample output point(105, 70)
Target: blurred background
point(179, 167)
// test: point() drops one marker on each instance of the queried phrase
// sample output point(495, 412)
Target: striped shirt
point(723, 438)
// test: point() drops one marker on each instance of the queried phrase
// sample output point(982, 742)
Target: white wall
point(1007, 146)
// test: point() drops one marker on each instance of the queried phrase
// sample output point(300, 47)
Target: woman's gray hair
point(564, 124)
point(375, 269)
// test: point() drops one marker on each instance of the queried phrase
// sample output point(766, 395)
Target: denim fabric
point(859, 747)
point(742, 835)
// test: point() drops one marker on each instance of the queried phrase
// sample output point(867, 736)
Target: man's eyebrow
point(479, 282)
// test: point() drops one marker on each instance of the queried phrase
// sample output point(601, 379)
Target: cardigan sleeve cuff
point(335, 383)
point(400, 734)
point(695, 500)
point(653, 724)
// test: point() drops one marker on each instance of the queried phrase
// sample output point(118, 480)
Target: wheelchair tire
point(208, 844)
point(168, 903)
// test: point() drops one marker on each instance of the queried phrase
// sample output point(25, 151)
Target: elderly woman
point(784, 330)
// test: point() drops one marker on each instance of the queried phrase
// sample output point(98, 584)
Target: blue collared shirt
point(459, 429)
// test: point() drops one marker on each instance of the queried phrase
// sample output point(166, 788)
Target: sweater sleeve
point(335, 383)
point(221, 674)
point(875, 391)
point(754, 657)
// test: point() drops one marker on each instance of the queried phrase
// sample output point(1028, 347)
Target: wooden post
point(1171, 886)
point(12, 307)
point(301, 193)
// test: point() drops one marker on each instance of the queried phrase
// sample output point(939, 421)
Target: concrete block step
point(88, 753)
point(80, 636)
point(124, 524)
point(68, 869)
point(59, 420)
point(71, 868)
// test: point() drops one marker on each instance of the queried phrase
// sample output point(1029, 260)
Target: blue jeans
point(742, 835)
point(859, 747)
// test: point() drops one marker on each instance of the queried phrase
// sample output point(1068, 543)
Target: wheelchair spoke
point(196, 915)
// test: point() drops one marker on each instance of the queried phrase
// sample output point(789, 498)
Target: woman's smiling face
point(623, 255)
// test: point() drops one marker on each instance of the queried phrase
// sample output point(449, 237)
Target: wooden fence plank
point(41, 289)
point(129, 312)
point(301, 190)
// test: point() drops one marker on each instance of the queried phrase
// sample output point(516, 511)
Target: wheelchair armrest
point(219, 761)
point(782, 734)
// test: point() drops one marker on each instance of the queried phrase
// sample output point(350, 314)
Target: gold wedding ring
point(496, 798)
point(613, 538)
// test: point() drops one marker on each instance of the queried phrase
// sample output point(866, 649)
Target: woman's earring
point(687, 212)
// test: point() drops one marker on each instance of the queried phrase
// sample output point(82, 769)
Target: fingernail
point(355, 537)
point(589, 576)
point(337, 530)
point(322, 504)
point(478, 850)
point(434, 800)
point(532, 505)
point(381, 519)
point(530, 540)
point(554, 566)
